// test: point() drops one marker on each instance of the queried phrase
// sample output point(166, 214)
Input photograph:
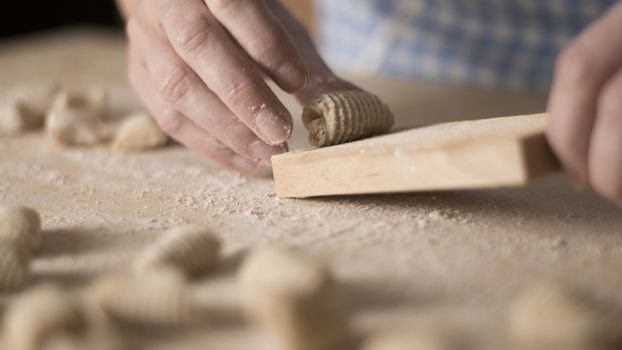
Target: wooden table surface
point(456, 256)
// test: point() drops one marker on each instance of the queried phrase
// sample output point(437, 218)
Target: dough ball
point(39, 314)
point(190, 248)
point(291, 298)
point(283, 273)
point(24, 107)
point(548, 316)
point(14, 265)
point(22, 225)
point(75, 118)
point(158, 297)
point(138, 132)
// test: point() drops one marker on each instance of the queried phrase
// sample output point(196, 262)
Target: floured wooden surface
point(418, 257)
point(448, 133)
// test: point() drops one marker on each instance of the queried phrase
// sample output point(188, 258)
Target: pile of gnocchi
point(288, 295)
point(75, 118)
point(293, 299)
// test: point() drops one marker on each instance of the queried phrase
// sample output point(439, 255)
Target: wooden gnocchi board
point(497, 152)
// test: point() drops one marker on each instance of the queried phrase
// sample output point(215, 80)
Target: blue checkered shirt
point(488, 43)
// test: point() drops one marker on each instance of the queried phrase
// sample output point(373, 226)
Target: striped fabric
point(487, 43)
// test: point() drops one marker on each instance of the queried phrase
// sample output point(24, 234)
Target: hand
point(585, 107)
point(197, 65)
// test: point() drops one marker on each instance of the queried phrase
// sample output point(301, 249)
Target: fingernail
point(264, 152)
point(244, 165)
point(291, 77)
point(273, 128)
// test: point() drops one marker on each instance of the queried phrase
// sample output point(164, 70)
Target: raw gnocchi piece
point(189, 248)
point(22, 225)
point(75, 118)
point(151, 297)
point(218, 301)
point(343, 116)
point(292, 299)
point(40, 314)
point(138, 132)
point(548, 316)
point(14, 265)
point(23, 107)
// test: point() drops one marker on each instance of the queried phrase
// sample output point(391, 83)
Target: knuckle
point(176, 83)
point(271, 47)
point(193, 34)
point(238, 91)
point(576, 64)
point(170, 121)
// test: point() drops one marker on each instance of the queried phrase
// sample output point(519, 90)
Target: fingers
point(181, 88)
point(605, 152)
point(581, 73)
point(205, 46)
point(264, 38)
point(180, 127)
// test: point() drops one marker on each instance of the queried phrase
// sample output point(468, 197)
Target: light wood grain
point(496, 152)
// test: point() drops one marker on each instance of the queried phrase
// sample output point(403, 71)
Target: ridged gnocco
point(343, 116)
point(14, 265)
point(189, 248)
point(552, 316)
point(153, 297)
point(40, 314)
point(21, 225)
point(292, 299)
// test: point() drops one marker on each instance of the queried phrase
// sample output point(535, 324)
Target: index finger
point(206, 47)
point(264, 38)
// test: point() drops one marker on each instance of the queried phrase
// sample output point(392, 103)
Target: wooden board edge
point(530, 152)
point(538, 157)
point(302, 185)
